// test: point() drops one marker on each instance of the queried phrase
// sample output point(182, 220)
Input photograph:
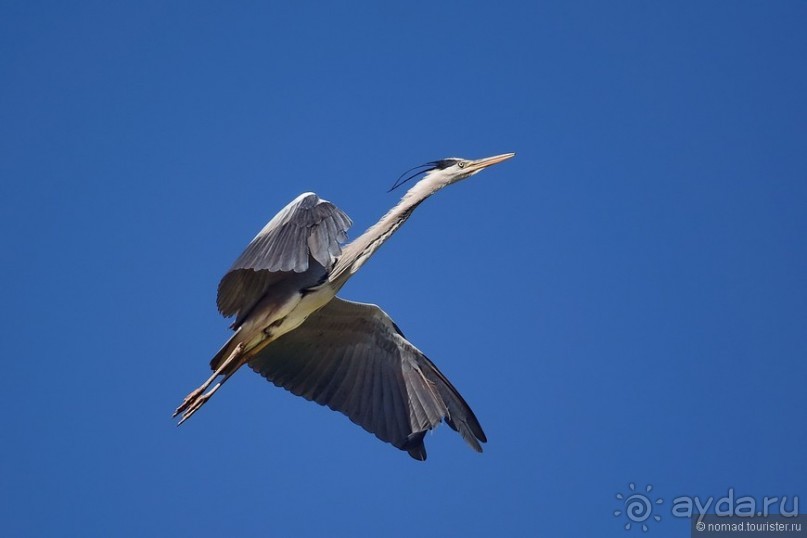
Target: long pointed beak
point(480, 164)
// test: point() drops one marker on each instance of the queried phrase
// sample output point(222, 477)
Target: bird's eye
point(461, 164)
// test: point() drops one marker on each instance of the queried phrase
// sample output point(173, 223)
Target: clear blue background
point(625, 301)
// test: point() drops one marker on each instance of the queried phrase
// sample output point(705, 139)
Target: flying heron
point(291, 328)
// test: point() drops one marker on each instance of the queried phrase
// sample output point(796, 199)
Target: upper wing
point(308, 229)
point(352, 358)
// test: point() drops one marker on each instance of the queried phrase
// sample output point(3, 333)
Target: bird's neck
point(355, 254)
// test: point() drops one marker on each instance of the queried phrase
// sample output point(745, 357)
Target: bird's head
point(439, 174)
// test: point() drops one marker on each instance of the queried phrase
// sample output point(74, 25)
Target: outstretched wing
point(352, 358)
point(306, 232)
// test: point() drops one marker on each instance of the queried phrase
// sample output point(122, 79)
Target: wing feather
point(307, 230)
point(352, 358)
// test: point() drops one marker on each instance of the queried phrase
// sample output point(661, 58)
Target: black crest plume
point(420, 170)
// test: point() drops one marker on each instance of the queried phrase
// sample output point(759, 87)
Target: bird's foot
point(189, 400)
point(197, 398)
point(193, 405)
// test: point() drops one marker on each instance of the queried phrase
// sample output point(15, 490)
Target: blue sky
point(623, 302)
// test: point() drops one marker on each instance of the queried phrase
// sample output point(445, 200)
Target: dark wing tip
point(471, 432)
point(459, 416)
point(414, 445)
point(482, 437)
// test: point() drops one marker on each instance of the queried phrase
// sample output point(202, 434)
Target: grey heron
point(291, 328)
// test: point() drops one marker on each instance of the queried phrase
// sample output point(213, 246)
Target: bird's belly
point(308, 303)
point(276, 320)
